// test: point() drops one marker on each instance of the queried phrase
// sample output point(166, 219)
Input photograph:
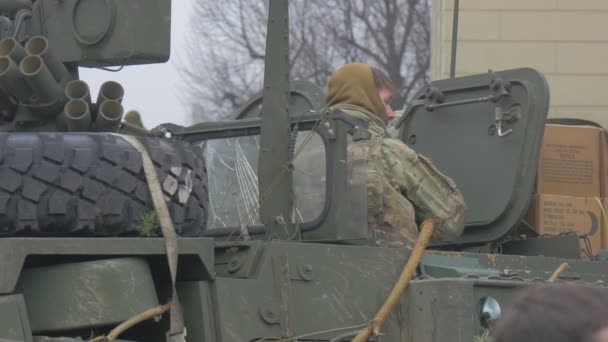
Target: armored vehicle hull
point(111, 232)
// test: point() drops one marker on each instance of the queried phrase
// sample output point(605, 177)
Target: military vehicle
point(106, 225)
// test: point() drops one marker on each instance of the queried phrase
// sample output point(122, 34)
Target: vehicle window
point(232, 166)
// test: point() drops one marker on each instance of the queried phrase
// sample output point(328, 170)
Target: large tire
point(94, 184)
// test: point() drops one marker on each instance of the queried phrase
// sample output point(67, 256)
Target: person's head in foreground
point(555, 313)
point(362, 85)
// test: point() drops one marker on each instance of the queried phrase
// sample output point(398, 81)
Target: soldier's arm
point(432, 193)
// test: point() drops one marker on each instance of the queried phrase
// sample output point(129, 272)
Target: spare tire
point(94, 184)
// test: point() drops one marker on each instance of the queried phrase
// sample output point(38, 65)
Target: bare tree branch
point(226, 43)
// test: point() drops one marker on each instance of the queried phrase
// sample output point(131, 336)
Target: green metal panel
point(331, 286)
point(197, 303)
point(457, 123)
point(563, 246)
point(196, 254)
point(87, 294)
point(437, 310)
point(14, 322)
point(345, 218)
point(102, 33)
point(292, 289)
point(238, 260)
point(455, 264)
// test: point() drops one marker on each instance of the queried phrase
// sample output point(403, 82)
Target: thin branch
point(375, 326)
point(124, 326)
point(558, 272)
point(252, 53)
point(223, 62)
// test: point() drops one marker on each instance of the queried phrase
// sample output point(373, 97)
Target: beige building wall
point(567, 40)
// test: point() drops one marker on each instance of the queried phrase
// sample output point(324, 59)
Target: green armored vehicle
point(253, 229)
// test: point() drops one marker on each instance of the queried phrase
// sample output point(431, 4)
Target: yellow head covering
point(353, 85)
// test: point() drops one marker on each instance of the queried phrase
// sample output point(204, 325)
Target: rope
point(344, 337)
point(316, 333)
point(168, 230)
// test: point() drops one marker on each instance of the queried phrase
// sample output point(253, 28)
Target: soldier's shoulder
point(397, 146)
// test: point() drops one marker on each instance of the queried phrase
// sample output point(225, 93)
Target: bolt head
point(491, 130)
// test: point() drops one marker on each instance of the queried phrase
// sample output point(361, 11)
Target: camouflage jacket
point(404, 188)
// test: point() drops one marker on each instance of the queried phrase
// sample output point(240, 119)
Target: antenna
point(275, 184)
point(454, 38)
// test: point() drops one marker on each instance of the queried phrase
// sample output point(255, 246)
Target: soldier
point(403, 188)
point(134, 118)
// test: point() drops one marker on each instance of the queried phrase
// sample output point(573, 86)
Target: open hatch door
point(485, 132)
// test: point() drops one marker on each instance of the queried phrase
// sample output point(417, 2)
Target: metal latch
point(499, 115)
point(506, 109)
point(509, 113)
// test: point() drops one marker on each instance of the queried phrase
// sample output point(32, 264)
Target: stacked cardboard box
point(571, 182)
point(604, 188)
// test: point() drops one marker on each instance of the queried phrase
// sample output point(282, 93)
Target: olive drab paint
point(283, 277)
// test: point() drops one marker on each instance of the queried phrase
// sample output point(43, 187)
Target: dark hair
point(557, 313)
point(382, 80)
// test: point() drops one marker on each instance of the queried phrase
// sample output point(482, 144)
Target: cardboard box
point(603, 221)
point(570, 161)
point(604, 165)
point(604, 187)
point(553, 214)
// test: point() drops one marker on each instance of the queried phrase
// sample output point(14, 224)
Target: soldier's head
point(386, 90)
point(364, 86)
point(557, 313)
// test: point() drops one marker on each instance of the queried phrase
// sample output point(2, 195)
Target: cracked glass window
point(232, 166)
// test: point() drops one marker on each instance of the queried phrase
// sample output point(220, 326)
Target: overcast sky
point(152, 89)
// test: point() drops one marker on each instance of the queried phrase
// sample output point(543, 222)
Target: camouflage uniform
point(404, 188)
